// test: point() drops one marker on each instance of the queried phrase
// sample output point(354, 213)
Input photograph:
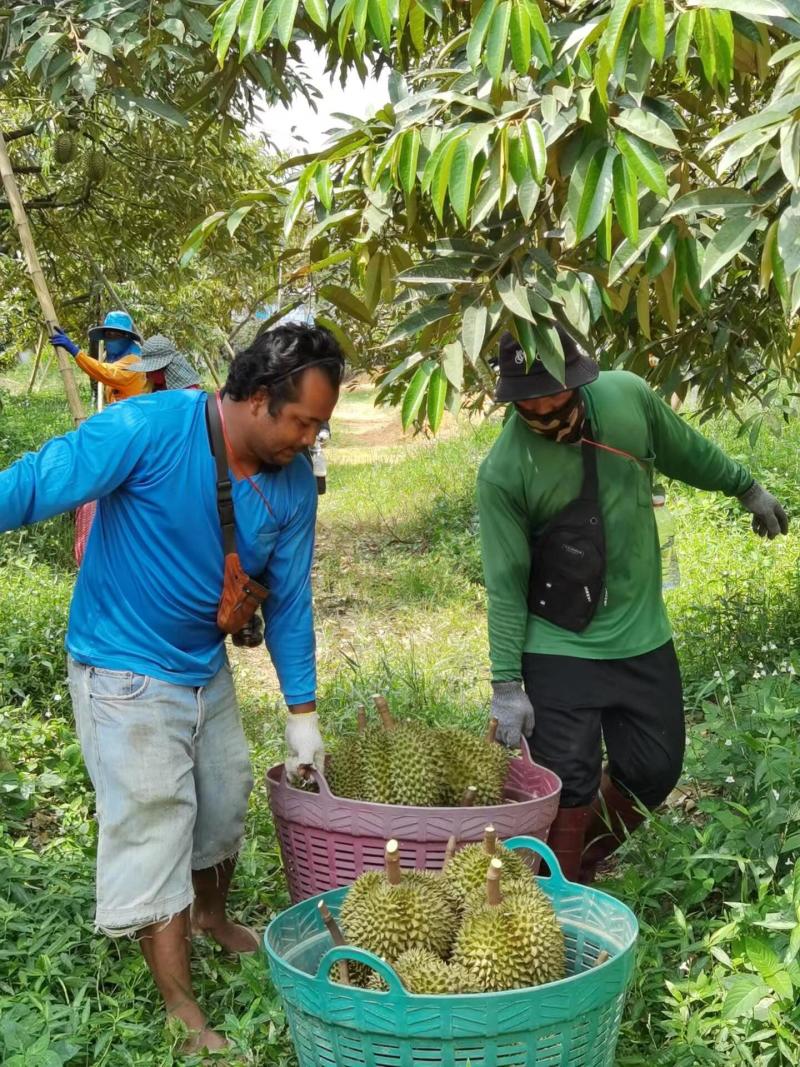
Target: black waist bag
point(568, 558)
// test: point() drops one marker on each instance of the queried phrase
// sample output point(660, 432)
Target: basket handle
point(318, 776)
point(360, 955)
point(525, 751)
point(535, 845)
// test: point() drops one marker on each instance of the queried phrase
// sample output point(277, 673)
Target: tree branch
point(23, 131)
point(44, 204)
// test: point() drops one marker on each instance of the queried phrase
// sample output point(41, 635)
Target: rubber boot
point(567, 836)
point(614, 815)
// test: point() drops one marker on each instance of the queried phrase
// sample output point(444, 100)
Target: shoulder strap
point(590, 487)
point(224, 492)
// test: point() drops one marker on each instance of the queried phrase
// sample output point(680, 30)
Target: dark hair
point(276, 360)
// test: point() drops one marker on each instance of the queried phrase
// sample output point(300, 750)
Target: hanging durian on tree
point(64, 148)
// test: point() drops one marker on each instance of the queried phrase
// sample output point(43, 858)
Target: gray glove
point(513, 711)
point(769, 518)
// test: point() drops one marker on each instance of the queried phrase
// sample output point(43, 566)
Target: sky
point(286, 128)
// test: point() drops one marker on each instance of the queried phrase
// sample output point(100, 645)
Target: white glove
point(304, 742)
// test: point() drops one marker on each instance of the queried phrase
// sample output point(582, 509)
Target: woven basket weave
point(328, 841)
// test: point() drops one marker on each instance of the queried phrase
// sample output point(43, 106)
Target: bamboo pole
point(207, 360)
point(36, 360)
point(37, 277)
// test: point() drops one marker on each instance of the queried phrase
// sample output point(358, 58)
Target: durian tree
point(632, 168)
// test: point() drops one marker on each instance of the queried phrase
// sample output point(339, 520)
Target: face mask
point(116, 347)
point(564, 424)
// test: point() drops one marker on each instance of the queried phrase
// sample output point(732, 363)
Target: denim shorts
point(171, 771)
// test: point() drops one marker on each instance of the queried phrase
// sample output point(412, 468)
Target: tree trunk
point(36, 360)
point(37, 277)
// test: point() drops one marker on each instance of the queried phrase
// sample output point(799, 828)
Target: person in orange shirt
point(122, 343)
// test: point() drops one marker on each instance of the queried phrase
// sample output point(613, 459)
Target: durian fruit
point(345, 768)
point(422, 971)
point(390, 912)
point(377, 768)
point(64, 148)
point(466, 871)
point(95, 166)
point(472, 761)
point(408, 761)
point(512, 942)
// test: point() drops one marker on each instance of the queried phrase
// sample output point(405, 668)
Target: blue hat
point(116, 320)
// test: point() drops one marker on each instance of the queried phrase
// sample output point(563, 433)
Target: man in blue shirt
point(154, 703)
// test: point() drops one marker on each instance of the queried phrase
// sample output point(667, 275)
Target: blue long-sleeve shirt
point(147, 592)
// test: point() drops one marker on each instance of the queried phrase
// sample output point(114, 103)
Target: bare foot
point(200, 1036)
point(233, 937)
point(204, 1040)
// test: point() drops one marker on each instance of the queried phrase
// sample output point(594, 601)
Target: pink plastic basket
point(327, 841)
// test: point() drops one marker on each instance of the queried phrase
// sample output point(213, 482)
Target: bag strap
point(224, 490)
point(590, 488)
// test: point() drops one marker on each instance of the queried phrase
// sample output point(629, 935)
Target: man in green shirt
point(615, 678)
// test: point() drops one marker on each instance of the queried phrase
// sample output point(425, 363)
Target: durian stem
point(491, 733)
point(337, 937)
point(602, 956)
point(394, 875)
point(490, 840)
point(494, 896)
point(382, 704)
point(361, 718)
point(468, 798)
point(450, 849)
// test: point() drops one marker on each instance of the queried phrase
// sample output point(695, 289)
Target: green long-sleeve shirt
point(526, 479)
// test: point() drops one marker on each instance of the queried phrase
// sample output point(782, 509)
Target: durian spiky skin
point(466, 871)
point(376, 766)
point(345, 771)
point(414, 773)
point(423, 972)
point(516, 944)
point(474, 761)
point(390, 919)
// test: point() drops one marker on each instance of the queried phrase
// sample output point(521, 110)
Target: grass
point(401, 608)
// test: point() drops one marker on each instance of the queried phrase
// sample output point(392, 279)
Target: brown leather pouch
point(241, 595)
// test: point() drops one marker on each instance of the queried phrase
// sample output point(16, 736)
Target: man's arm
point(116, 375)
point(683, 453)
point(289, 624)
point(505, 550)
point(84, 465)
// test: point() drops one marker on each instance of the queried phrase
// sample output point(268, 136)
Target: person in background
point(164, 366)
point(122, 344)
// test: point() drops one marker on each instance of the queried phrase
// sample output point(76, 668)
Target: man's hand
point(304, 742)
point(769, 518)
point(60, 340)
point(513, 711)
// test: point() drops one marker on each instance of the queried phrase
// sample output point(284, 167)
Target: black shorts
point(634, 705)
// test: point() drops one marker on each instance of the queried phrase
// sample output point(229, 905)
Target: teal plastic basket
point(571, 1023)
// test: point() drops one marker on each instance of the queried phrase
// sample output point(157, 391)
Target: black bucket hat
point(517, 381)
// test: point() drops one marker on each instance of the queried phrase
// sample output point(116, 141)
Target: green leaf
point(790, 153)
point(612, 34)
point(789, 235)
point(236, 218)
point(317, 11)
point(285, 21)
point(515, 297)
point(403, 367)
point(626, 199)
point(537, 151)
point(528, 196)
point(160, 108)
point(409, 155)
point(477, 34)
point(460, 180)
point(770, 116)
point(758, 9)
point(415, 393)
point(549, 350)
point(704, 38)
point(628, 253)
point(521, 48)
point(453, 364)
point(40, 48)
point(473, 331)
point(643, 161)
point(250, 25)
point(597, 191)
point(415, 322)
point(380, 21)
point(225, 26)
point(437, 393)
point(647, 126)
point(441, 176)
point(683, 38)
point(744, 993)
point(724, 245)
point(661, 251)
point(651, 28)
point(346, 301)
point(99, 41)
point(540, 30)
point(723, 47)
point(345, 342)
point(718, 201)
point(497, 39)
point(174, 27)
